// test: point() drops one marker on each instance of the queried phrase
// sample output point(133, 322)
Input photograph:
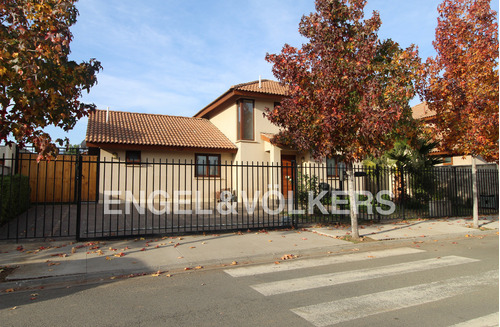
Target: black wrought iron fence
point(86, 197)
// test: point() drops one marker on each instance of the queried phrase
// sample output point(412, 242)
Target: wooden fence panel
point(89, 178)
point(55, 181)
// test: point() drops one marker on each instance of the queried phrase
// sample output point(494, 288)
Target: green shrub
point(14, 197)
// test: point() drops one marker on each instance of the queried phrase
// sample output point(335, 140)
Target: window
point(245, 120)
point(447, 161)
point(207, 165)
point(334, 167)
point(133, 157)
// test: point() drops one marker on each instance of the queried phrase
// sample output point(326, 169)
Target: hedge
point(14, 197)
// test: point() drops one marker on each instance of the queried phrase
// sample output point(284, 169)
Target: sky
point(174, 57)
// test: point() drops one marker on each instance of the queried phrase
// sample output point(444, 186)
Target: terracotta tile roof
point(153, 129)
point(421, 111)
point(267, 86)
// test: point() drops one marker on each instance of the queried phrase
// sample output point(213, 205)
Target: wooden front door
point(288, 163)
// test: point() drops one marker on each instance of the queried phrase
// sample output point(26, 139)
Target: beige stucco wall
point(465, 161)
point(8, 152)
point(248, 151)
point(160, 171)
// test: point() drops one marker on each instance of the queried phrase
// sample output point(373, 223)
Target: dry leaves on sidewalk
point(288, 257)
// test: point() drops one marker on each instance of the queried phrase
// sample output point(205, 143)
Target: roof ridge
point(151, 114)
point(252, 82)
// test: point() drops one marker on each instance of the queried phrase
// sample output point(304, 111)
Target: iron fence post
point(79, 196)
point(295, 192)
point(377, 176)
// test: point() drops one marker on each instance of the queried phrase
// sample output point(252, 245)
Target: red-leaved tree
point(461, 82)
point(348, 90)
point(39, 85)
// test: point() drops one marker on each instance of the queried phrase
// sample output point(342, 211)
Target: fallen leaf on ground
point(187, 268)
point(176, 245)
point(277, 262)
point(121, 254)
point(198, 267)
point(234, 263)
point(287, 257)
point(143, 249)
point(156, 274)
point(109, 258)
point(9, 290)
point(13, 308)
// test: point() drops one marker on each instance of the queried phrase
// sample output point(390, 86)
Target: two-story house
point(422, 112)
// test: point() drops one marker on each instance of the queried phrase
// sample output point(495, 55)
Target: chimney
point(260, 82)
point(107, 114)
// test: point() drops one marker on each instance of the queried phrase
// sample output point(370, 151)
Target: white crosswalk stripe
point(335, 312)
point(347, 309)
point(305, 283)
point(300, 264)
point(486, 321)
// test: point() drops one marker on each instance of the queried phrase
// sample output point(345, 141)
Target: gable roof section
point(266, 86)
point(140, 129)
point(422, 111)
point(263, 89)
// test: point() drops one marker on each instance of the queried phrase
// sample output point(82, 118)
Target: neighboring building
point(422, 112)
point(7, 156)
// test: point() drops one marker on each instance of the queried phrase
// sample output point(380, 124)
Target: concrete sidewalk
point(55, 262)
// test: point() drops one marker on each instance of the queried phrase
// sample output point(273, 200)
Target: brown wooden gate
point(55, 181)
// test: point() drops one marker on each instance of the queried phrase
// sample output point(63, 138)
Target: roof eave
point(127, 146)
point(231, 95)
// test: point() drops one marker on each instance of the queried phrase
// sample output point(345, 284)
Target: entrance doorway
point(288, 163)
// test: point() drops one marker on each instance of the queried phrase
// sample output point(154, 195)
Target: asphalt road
point(442, 283)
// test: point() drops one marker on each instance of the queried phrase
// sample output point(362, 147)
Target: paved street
point(448, 282)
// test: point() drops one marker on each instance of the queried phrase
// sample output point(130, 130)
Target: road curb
point(211, 264)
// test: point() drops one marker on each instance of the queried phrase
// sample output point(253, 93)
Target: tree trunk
point(475, 211)
point(352, 202)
